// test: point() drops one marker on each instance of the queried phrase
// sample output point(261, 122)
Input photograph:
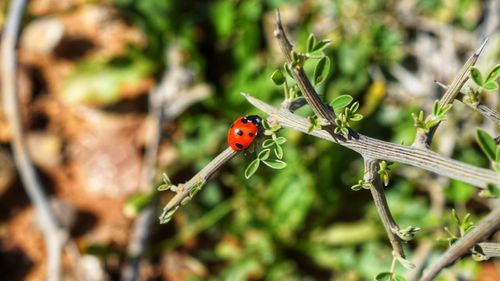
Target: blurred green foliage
point(303, 222)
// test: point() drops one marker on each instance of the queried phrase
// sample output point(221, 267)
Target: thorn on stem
point(480, 49)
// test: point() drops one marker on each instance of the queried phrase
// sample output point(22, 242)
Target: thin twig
point(313, 99)
point(489, 224)
point(377, 191)
point(378, 149)
point(487, 112)
point(424, 138)
point(322, 110)
point(54, 235)
point(185, 191)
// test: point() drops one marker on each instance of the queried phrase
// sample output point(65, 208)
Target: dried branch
point(377, 191)
point(376, 149)
point(318, 106)
point(489, 224)
point(487, 112)
point(424, 138)
point(54, 234)
point(324, 111)
point(186, 191)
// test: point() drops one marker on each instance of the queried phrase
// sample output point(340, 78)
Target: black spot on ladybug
point(250, 134)
point(244, 120)
point(239, 132)
point(239, 145)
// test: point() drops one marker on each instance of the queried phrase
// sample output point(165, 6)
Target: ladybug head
point(255, 119)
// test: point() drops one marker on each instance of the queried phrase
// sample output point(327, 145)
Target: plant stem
point(183, 190)
point(378, 194)
point(377, 149)
point(423, 138)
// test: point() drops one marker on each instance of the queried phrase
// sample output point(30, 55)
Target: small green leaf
point(356, 117)
point(268, 143)
point(264, 154)
point(487, 144)
point(356, 187)
point(278, 151)
point(185, 201)
point(340, 102)
point(435, 108)
point(431, 123)
point(278, 77)
point(280, 140)
point(163, 187)
point(491, 86)
point(383, 276)
point(354, 107)
point(311, 42)
point(321, 45)
point(444, 109)
point(344, 131)
point(252, 168)
point(476, 76)
point(321, 70)
point(275, 164)
point(494, 73)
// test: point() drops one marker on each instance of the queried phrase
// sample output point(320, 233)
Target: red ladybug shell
point(243, 131)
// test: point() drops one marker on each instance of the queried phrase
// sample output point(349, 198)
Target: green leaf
point(383, 276)
point(275, 164)
point(321, 70)
point(321, 45)
point(278, 151)
point(165, 186)
point(344, 131)
point(435, 108)
point(268, 143)
point(278, 77)
point(354, 107)
point(340, 102)
point(252, 168)
point(491, 86)
point(356, 117)
point(487, 144)
point(356, 187)
point(476, 76)
point(280, 140)
point(494, 73)
point(264, 154)
point(311, 42)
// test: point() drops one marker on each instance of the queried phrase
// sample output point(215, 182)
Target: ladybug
point(243, 131)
